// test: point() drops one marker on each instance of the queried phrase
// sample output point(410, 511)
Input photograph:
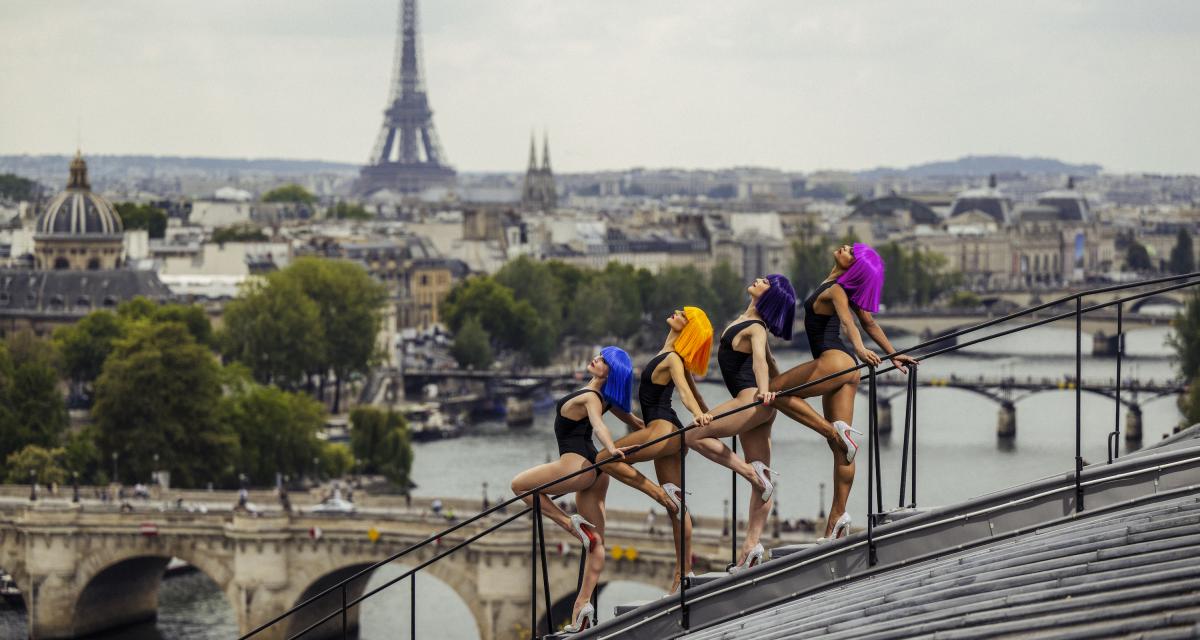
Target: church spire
point(545, 152)
point(532, 152)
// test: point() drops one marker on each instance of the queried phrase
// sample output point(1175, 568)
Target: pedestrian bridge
point(88, 568)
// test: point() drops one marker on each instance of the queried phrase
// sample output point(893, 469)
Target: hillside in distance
point(986, 165)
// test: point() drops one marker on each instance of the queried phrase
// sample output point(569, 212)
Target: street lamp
point(75, 486)
point(821, 503)
point(32, 485)
point(485, 500)
point(775, 520)
point(115, 455)
point(725, 517)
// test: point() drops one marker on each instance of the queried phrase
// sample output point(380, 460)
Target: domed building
point(988, 200)
point(78, 230)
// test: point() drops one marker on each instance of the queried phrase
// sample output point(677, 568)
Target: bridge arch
point(1163, 300)
point(319, 575)
point(119, 585)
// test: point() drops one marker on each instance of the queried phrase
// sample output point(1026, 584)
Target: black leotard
point(737, 368)
point(656, 398)
point(824, 332)
point(575, 436)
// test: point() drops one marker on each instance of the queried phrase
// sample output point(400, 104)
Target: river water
point(960, 457)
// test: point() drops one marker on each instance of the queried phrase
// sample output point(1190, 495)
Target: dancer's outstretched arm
point(761, 366)
point(595, 412)
point(872, 328)
point(688, 393)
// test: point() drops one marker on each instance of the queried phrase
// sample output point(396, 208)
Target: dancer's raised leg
point(839, 405)
point(705, 439)
point(797, 408)
point(624, 471)
point(543, 473)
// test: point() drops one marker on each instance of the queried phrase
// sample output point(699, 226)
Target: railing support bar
point(908, 401)
point(541, 533)
point(913, 373)
point(683, 537)
point(1114, 438)
point(533, 561)
point(733, 508)
point(412, 605)
point(1078, 403)
point(871, 429)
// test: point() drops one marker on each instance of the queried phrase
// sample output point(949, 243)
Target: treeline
point(170, 393)
point(530, 308)
point(1185, 339)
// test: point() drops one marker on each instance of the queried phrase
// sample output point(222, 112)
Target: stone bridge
point(88, 568)
point(1100, 325)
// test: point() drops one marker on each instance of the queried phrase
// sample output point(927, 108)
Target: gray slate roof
point(1120, 573)
point(65, 293)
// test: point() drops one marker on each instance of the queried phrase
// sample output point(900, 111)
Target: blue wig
point(777, 306)
point(618, 387)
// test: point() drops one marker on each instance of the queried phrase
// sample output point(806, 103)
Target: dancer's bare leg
point(756, 443)
point(704, 439)
point(839, 405)
point(666, 469)
point(543, 473)
point(797, 408)
point(591, 506)
point(624, 471)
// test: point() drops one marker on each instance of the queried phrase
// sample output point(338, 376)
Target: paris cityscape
point(298, 302)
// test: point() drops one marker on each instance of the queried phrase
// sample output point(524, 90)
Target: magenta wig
point(863, 281)
point(777, 306)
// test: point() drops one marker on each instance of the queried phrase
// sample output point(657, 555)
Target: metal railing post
point(916, 388)
point(1114, 442)
point(345, 631)
point(733, 509)
point(412, 605)
point(908, 400)
point(541, 532)
point(683, 548)
point(871, 429)
point(1078, 403)
point(533, 558)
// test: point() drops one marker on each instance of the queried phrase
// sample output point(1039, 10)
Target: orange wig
point(694, 343)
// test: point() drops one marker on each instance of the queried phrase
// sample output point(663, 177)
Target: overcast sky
point(617, 83)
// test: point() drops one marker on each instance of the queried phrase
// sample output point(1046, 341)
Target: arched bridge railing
point(908, 470)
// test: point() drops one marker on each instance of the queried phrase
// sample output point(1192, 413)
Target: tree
point(293, 193)
point(349, 304)
point(46, 465)
point(345, 211)
point(143, 216)
point(675, 288)
point(380, 440)
point(82, 456)
point(811, 260)
point(159, 393)
point(1185, 338)
point(1183, 257)
point(191, 316)
point(18, 189)
point(85, 345)
point(247, 232)
point(472, 345)
point(276, 430)
point(274, 329)
point(1137, 257)
point(493, 304)
point(729, 292)
point(335, 460)
point(32, 410)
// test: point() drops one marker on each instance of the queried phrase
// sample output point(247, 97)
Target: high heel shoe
point(585, 619)
point(844, 430)
point(841, 529)
point(753, 559)
point(587, 536)
point(674, 495)
point(767, 476)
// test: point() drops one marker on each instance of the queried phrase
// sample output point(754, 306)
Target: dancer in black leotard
point(851, 291)
point(685, 352)
point(577, 416)
point(747, 366)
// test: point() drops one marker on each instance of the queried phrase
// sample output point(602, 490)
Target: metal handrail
point(873, 458)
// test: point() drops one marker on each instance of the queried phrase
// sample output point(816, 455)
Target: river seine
point(960, 457)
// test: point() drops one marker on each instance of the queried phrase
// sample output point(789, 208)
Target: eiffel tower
point(407, 157)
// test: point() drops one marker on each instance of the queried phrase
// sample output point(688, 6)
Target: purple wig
point(777, 306)
point(863, 281)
